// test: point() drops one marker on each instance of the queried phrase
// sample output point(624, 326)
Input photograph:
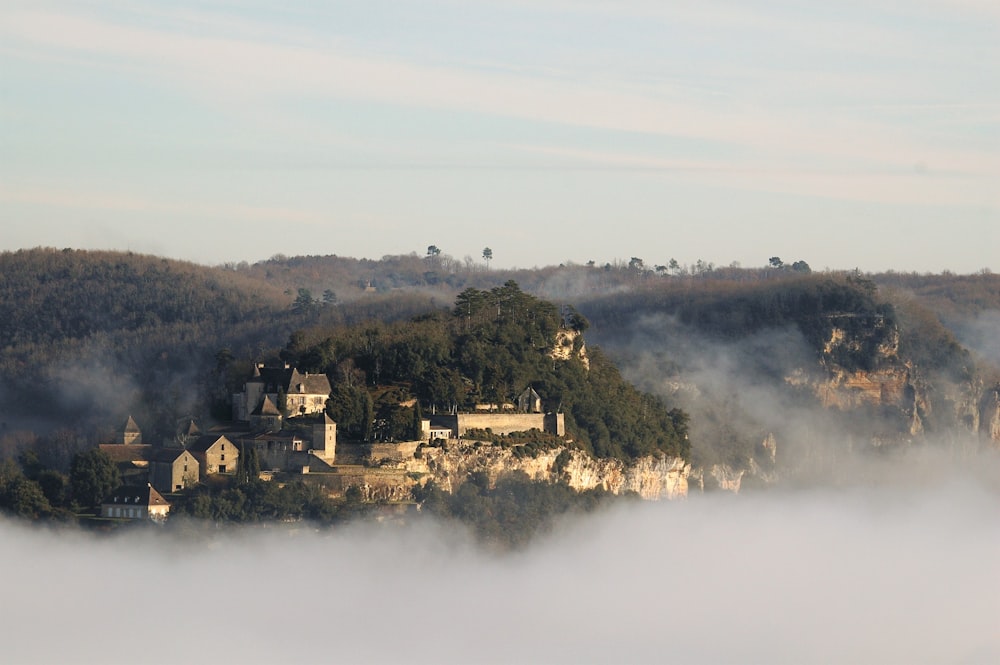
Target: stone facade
point(215, 454)
point(135, 502)
point(500, 423)
point(172, 469)
point(303, 393)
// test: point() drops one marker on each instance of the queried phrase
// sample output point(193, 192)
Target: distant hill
point(88, 337)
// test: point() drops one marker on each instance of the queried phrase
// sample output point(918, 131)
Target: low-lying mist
point(901, 573)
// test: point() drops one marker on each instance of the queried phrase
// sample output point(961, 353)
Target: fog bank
point(860, 575)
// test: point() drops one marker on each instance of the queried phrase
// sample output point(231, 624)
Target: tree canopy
point(490, 347)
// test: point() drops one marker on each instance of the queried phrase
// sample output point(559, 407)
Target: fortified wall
point(500, 423)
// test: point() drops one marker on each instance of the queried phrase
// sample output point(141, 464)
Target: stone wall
point(501, 423)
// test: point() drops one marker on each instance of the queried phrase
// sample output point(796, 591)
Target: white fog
point(872, 574)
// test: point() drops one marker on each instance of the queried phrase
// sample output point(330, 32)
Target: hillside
point(491, 346)
point(88, 337)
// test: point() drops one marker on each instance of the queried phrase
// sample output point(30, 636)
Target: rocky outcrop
point(989, 415)
point(569, 344)
point(650, 477)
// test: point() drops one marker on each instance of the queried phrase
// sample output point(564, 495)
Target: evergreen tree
point(92, 476)
point(248, 466)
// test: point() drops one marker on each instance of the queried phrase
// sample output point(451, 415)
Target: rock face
point(651, 477)
point(892, 382)
point(569, 344)
point(989, 415)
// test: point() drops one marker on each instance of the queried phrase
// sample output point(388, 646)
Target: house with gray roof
point(296, 392)
point(135, 502)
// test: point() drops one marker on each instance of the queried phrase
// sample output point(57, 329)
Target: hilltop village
point(499, 389)
point(300, 440)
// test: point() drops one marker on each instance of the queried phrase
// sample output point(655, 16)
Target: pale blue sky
point(847, 134)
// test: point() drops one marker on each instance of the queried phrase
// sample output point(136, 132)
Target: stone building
point(266, 417)
point(136, 503)
point(132, 461)
point(298, 393)
point(293, 450)
point(215, 454)
point(131, 434)
point(173, 469)
point(529, 401)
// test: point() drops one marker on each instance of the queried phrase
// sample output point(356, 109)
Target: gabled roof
point(530, 393)
point(189, 429)
point(266, 408)
point(131, 426)
point(203, 443)
point(271, 436)
point(121, 453)
point(168, 455)
point(290, 380)
point(308, 384)
point(136, 495)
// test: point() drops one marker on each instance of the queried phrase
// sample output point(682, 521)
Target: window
point(222, 457)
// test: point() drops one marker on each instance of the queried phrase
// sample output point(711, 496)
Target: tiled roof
point(168, 455)
point(120, 453)
point(136, 495)
point(203, 443)
point(266, 408)
point(290, 380)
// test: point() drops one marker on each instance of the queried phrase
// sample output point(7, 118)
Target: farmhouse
point(136, 503)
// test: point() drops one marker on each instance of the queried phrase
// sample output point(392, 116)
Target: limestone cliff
point(569, 344)
point(989, 415)
point(891, 381)
point(650, 477)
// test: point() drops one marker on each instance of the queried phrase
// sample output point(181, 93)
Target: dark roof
point(203, 443)
point(120, 453)
point(136, 495)
point(289, 380)
point(309, 384)
point(168, 455)
point(266, 408)
point(271, 436)
point(190, 429)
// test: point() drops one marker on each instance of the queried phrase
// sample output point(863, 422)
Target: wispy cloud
point(236, 71)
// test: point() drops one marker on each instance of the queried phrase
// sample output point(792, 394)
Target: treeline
point(49, 294)
point(488, 348)
point(814, 304)
point(514, 511)
point(88, 337)
point(33, 489)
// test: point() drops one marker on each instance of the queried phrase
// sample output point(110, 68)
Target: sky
point(848, 134)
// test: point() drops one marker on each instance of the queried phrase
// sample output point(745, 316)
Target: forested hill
point(814, 304)
point(87, 337)
point(48, 295)
point(489, 348)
